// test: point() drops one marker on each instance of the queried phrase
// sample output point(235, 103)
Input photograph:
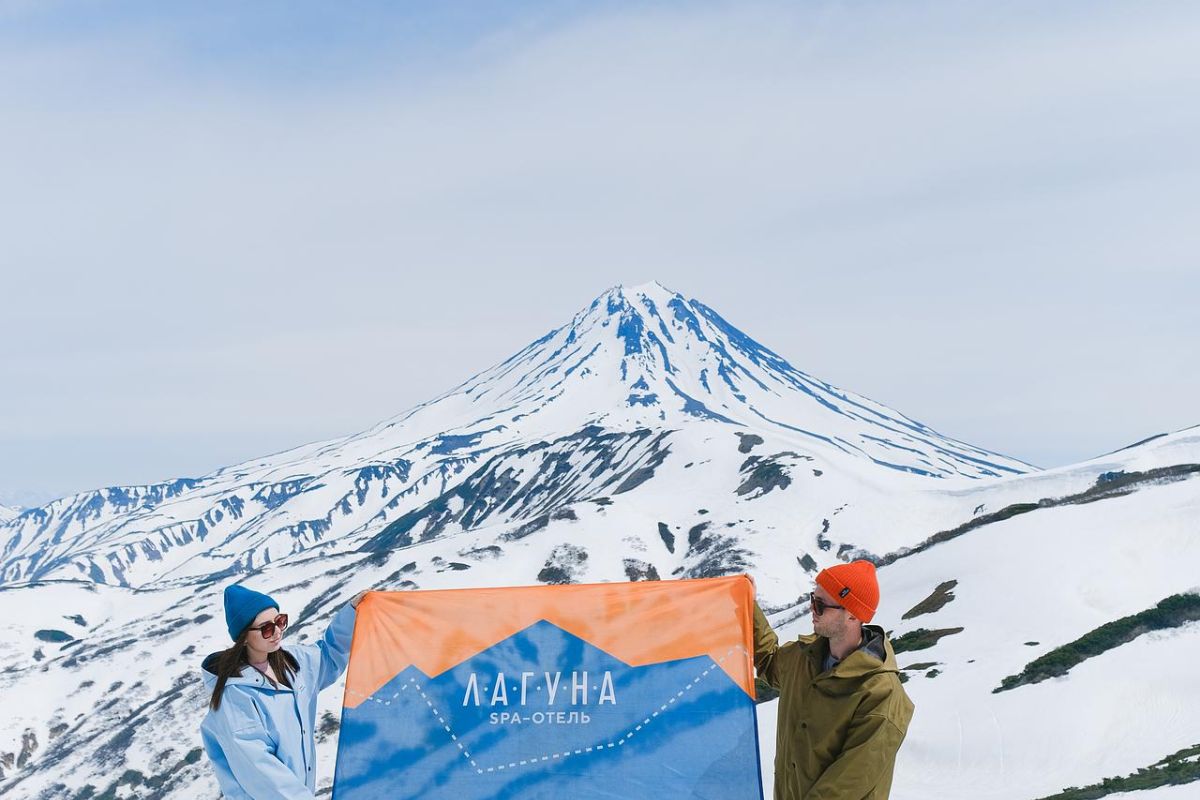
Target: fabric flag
point(619, 690)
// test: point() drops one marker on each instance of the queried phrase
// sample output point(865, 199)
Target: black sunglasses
point(819, 605)
point(267, 629)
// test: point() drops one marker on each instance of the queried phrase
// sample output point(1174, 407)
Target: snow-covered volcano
point(591, 408)
point(646, 439)
point(648, 357)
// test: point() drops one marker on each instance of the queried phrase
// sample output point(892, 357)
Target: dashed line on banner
point(580, 751)
point(414, 684)
point(565, 753)
point(630, 733)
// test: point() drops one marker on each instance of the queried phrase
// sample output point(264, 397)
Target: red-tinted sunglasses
point(819, 605)
point(267, 629)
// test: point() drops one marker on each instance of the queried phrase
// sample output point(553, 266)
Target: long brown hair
point(230, 662)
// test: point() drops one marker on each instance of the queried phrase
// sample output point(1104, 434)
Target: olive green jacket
point(838, 731)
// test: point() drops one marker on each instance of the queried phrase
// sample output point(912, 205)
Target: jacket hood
point(208, 672)
point(874, 656)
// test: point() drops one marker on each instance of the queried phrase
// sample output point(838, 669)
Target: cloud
point(978, 215)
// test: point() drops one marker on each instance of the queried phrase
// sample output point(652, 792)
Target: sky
point(228, 229)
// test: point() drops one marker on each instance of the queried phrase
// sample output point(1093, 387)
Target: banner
point(620, 690)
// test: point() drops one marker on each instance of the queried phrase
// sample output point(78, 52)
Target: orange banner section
point(640, 623)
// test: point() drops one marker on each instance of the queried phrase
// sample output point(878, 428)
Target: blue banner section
point(544, 714)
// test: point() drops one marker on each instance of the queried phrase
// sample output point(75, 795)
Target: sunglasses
point(819, 605)
point(267, 629)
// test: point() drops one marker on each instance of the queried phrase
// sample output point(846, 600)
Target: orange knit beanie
point(854, 586)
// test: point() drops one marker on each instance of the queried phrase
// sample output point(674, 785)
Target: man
point(842, 710)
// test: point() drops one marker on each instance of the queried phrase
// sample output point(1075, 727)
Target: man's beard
point(828, 629)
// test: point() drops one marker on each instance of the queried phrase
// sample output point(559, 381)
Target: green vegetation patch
point(1174, 770)
point(1172, 612)
point(942, 595)
point(921, 639)
point(1108, 485)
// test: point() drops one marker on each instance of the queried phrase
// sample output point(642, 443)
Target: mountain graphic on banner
point(543, 713)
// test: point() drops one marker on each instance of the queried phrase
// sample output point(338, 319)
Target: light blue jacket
point(261, 739)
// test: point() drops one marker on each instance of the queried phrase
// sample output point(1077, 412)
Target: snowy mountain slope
point(1130, 549)
point(1026, 586)
point(7, 513)
point(635, 360)
point(558, 466)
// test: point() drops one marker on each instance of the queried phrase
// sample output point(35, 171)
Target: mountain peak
point(645, 356)
point(648, 288)
point(634, 306)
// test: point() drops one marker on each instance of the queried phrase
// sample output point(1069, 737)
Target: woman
point(259, 728)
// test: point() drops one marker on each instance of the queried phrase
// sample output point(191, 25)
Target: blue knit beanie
point(242, 605)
